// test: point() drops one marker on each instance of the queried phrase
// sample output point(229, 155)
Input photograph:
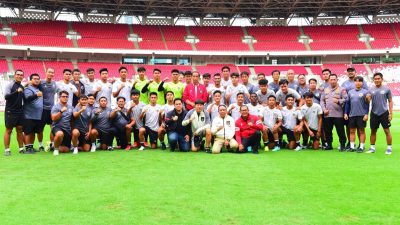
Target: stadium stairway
point(74, 41)
point(395, 34)
point(251, 47)
point(361, 30)
point(302, 33)
point(163, 38)
point(190, 33)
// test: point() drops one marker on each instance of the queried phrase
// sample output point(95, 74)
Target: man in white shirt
point(234, 109)
point(312, 119)
point(235, 88)
point(272, 118)
point(66, 85)
point(223, 128)
point(122, 87)
point(103, 88)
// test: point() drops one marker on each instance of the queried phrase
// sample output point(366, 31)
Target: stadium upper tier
point(206, 38)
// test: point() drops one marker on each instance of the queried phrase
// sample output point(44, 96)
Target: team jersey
point(125, 91)
point(311, 115)
point(380, 97)
point(135, 113)
point(356, 104)
point(290, 117)
point(214, 110)
point(139, 86)
point(176, 88)
point(302, 89)
point(153, 87)
point(234, 90)
point(255, 109)
point(235, 111)
point(82, 121)
point(65, 121)
point(152, 116)
point(273, 86)
point(293, 85)
point(101, 120)
point(70, 88)
point(105, 91)
point(281, 97)
point(263, 97)
point(167, 108)
point(89, 85)
point(49, 90)
point(271, 116)
point(121, 119)
point(33, 105)
point(350, 85)
point(211, 90)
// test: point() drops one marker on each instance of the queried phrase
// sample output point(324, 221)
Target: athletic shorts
point(289, 134)
point(13, 120)
point(67, 136)
point(81, 139)
point(105, 137)
point(357, 122)
point(271, 138)
point(153, 135)
point(46, 117)
point(32, 126)
point(315, 135)
point(377, 120)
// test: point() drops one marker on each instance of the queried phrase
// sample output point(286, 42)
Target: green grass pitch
point(160, 187)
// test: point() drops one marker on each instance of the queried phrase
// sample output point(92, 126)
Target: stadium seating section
point(211, 38)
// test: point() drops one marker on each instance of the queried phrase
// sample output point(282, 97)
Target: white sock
point(389, 147)
point(372, 147)
point(93, 144)
point(351, 144)
point(40, 144)
point(361, 145)
point(75, 148)
point(21, 148)
point(7, 149)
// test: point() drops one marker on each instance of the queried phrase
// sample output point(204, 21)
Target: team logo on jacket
point(360, 94)
point(202, 119)
point(228, 123)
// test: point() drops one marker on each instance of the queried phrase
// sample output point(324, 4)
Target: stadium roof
point(215, 8)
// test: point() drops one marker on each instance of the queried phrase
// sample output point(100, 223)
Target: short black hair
point(263, 82)
point(289, 96)
point(169, 92)
point(283, 81)
point(199, 101)
point(359, 78)
point(122, 68)
point(103, 97)
point(63, 92)
point(76, 70)
point(308, 94)
point(239, 93)
point(222, 105)
point(244, 73)
point(206, 75)
point(119, 97)
point(67, 70)
point(217, 91)
point(89, 70)
point(83, 97)
point(332, 75)
point(141, 69)
point(234, 74)
point(103, 70)
point(302, 74)
point(327, 70)
point(188, 73)
point(174, 71)
point(33, 75)
point(272, 96)
point(261, 74)
point(275, 71)
point(153, 93)
point(135, 92)
point(156, 69)
point(217, 74)
point(312, 79)
point(226, 67)
point(90, 95)
point(377, 74)
point(177, 99)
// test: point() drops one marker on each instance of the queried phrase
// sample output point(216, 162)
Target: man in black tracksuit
point(177, 134)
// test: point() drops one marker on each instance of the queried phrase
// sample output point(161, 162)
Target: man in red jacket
point(248, 131)
point(194, 91)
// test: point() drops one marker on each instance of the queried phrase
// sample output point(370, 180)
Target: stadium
point(163, 187)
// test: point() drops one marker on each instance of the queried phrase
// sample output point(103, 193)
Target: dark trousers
point(120, 136)
point(253, 141)
point(329, 122)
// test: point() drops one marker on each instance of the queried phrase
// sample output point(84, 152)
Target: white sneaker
point(141, 148)
point(75, 151)
point(298, 148)
point(388, 152)
point(93, 148)
point(55, 152)
point(370, 151)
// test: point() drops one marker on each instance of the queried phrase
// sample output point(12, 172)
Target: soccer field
point(161, 187)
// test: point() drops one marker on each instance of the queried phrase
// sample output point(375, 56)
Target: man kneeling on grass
point(61, 114)
point(102, 127)
point(312, 119)
point(80, 133)
point(223, 127)
point(248, 131)
point(200, 123)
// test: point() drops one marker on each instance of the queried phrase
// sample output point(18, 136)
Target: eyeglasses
point(64, 96)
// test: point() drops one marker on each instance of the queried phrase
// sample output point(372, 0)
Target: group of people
point(193, 113)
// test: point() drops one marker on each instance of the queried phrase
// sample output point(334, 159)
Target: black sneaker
point(207, 150)
point(30, 151)
point(348, 146)
point(197, 141)
point(21, 151)
point(255, 151)
point(342, 148)
point(351, 150)
point(328, 147)
point(51, 148)
point(163, 146)
point(110, 148)
point(7, 153)
point(41, 149)
point(360, 150)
